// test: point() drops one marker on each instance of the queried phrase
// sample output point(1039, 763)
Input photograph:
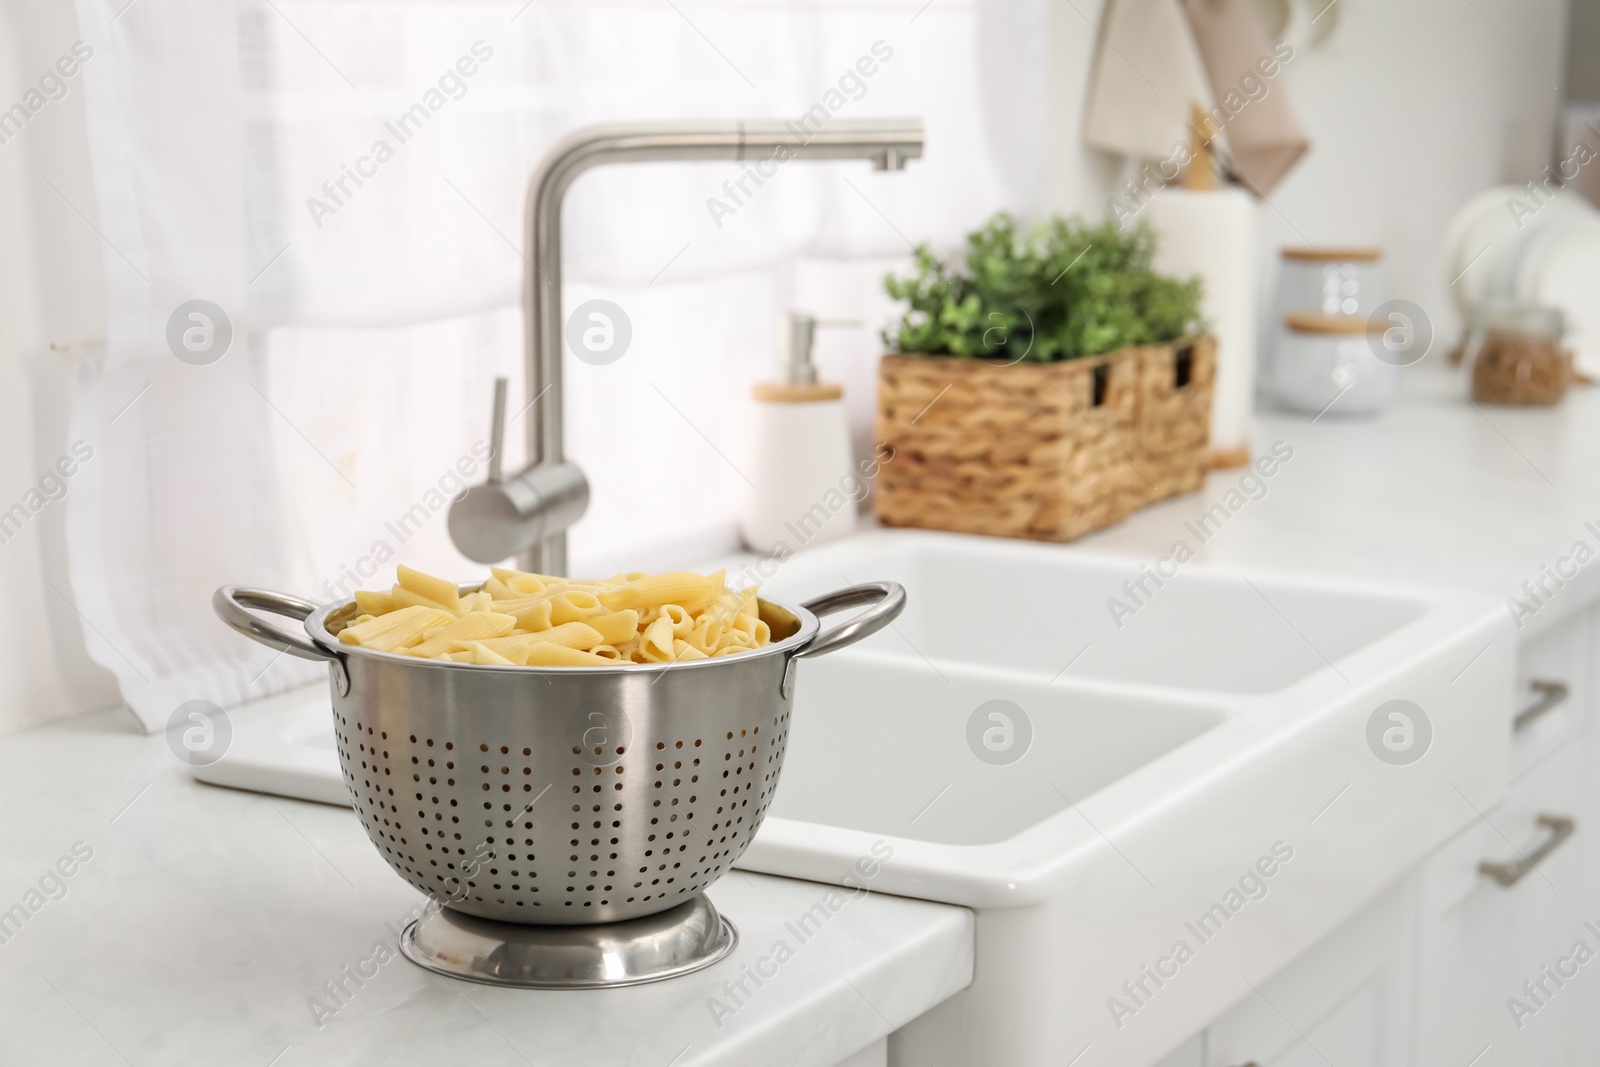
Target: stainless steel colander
point(562, 795)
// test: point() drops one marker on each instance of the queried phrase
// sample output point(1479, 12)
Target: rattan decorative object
point(1045, 451)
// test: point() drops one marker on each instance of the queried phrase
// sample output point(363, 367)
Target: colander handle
point(888, 600)
point(230, 603)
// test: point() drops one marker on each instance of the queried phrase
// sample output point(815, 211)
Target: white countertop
point(1434, 492)
point(207, 918)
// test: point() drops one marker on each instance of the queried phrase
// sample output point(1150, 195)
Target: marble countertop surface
point(164, 921)
point(1435, 492)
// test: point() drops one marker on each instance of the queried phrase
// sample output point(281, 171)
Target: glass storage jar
point(1334, 281)
point(1513, 355)
point(1323, 359)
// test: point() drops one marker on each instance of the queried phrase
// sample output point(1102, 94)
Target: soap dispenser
point(805, 486)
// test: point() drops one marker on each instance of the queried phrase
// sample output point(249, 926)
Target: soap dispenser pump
point(805, 487)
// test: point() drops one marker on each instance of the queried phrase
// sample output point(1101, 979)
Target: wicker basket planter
point(1046, 451)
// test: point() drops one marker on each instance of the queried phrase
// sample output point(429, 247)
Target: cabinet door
point(1589, 1013)
point(1354, 1034)
point(1346, 1001)
point(1481, 940)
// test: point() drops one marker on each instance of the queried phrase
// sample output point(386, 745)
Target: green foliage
point(1064, 291)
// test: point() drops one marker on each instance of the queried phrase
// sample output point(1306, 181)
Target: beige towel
point(1264, 137)
point(1146, 75)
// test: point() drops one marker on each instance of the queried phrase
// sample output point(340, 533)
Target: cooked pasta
point(519, 619)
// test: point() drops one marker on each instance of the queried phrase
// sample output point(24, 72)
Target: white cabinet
point(1480, 941)
point(1488, 955)
point(1553, 686)
point(1347, 1001)
point(1423, 976)
point(1463, 964)
point(1589, 841)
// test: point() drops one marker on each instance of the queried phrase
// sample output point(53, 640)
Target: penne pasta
point(473, 626)
point(514, 649)
point(616, 628)
point(758, 630)
point(682, 621)
point(406, 598)
point(374, 603)
point(569, 634)
point(530, 614)
point(478, 653)
point(706, 637)
point(736, 639)
point(517, 618)
point(657, 644)
point(396, 629)
point(574, 604)
point(691, 591)
point(549, 655)
point(437, 590)
point(521, 581)
point(479, 601)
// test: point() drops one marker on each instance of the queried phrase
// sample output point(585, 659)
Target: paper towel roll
point(1211, 233)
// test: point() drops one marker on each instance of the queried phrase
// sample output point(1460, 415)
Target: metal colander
point(562, 795)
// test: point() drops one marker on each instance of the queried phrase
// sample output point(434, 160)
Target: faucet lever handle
point(497, 433)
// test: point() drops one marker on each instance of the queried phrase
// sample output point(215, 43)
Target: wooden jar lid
point(1314, 322)
point(779, 393)
point(1333, 255)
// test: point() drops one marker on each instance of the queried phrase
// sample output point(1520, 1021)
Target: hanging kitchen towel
point(1146, 76)
point(1264, 137)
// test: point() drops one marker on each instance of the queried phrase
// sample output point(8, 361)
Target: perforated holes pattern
point(480, 826)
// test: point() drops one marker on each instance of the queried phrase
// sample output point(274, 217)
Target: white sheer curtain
point(371, 313)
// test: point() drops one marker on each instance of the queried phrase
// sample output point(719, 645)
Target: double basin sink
point(1091, 754)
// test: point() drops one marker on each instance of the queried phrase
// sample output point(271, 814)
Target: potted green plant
point(1048, 389)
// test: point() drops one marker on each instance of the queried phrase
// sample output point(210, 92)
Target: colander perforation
point(623, 803)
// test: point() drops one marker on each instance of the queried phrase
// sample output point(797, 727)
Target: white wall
point(1412, 108)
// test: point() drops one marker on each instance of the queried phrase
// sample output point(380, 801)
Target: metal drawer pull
point(1551, 694)
point(1512, 871)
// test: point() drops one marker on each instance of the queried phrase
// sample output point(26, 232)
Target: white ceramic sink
point(1033, 609)
point(905, 722)
point(1228, 714)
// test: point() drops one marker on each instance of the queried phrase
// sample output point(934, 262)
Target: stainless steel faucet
point(527, 513)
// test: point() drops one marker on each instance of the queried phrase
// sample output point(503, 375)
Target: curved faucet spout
point(521, 514)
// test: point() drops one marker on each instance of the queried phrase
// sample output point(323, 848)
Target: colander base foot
point(671, 943)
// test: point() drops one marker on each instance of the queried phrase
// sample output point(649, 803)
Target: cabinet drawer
point(1552, 693)
point(1483, 934)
